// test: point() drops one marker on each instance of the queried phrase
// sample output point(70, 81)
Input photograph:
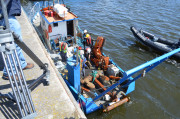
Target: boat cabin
point(57, 22)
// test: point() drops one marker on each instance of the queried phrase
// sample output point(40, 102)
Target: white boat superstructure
point(58, 24)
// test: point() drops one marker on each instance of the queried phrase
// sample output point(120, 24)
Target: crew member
point(88, 53)
point(85, 32)
point(82, 61)
point(63, 51)
point(88, 56)
point(87, 38)
point(14, 9)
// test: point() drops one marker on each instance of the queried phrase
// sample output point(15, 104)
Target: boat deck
point(56, 18)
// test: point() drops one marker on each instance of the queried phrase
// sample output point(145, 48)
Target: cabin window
point(55, 24)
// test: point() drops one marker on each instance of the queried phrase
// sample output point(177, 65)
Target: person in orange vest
point(87, 38)
point(63, 51)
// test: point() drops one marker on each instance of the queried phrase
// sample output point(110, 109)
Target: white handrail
point(32, 10)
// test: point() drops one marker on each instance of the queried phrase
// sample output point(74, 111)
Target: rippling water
point(158, 94)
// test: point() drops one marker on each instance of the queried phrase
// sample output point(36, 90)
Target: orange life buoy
point(46, 34)
point(49, 28)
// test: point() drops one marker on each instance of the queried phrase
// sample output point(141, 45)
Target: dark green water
point(158, 94)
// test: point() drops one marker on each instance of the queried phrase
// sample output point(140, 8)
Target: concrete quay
point(51, 102)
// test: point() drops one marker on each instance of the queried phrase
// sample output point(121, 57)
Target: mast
point(63, 1)
point(48, 5)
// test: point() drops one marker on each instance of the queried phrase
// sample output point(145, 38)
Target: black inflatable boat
point(159, 44)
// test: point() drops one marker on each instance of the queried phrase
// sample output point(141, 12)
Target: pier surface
point(51, 102)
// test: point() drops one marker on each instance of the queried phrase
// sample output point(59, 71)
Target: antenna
point(42, 7)
point(48, 5)
point(63, 1)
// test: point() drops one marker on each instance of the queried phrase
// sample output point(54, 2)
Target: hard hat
point(87, 35)
point(80, 48)
point(85, 31)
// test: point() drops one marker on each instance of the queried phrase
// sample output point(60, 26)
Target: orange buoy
point(49, 28)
